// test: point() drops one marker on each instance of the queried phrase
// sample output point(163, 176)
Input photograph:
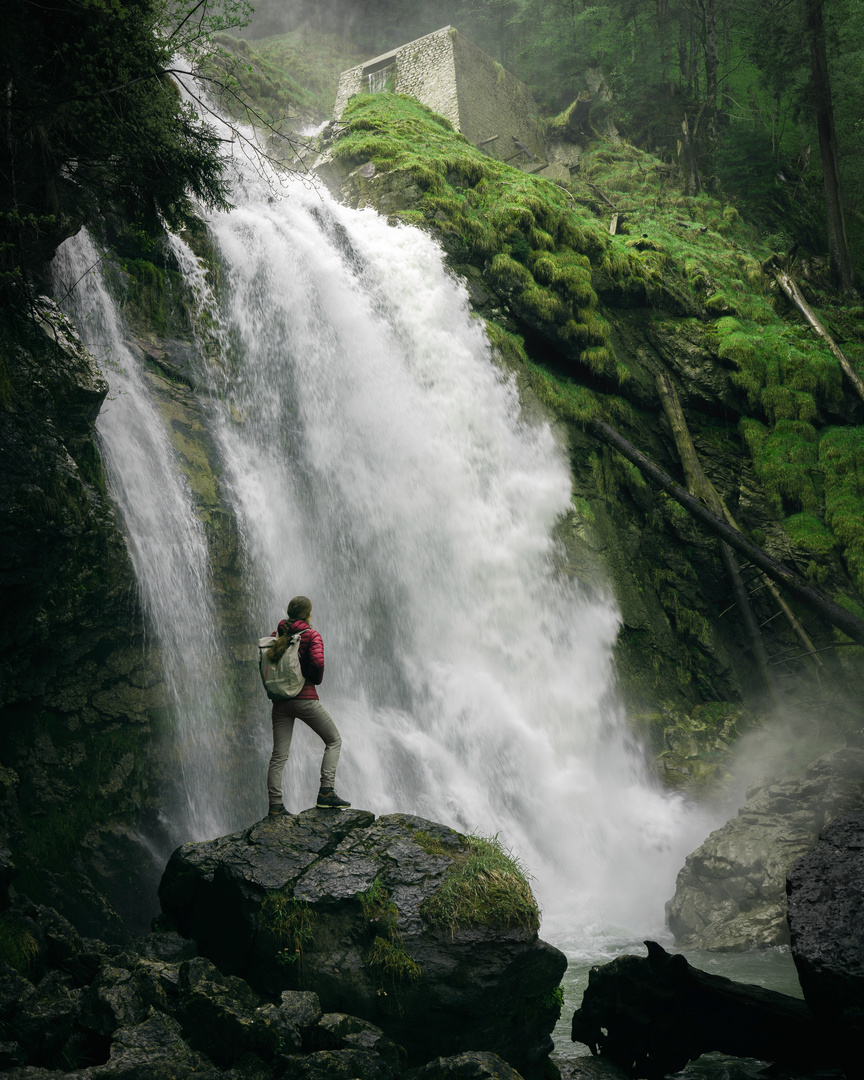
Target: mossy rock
point(693, 750)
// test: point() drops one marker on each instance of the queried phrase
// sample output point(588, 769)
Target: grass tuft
point(486, 887)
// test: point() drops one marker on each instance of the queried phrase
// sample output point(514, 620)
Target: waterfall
point(377, 460)
point(167, 547)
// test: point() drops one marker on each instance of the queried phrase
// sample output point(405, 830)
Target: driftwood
point(796, 585)
point(790, 286)
point(651, 1015)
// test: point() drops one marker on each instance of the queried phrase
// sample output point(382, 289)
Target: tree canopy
point(769, 92)
point(92, 120)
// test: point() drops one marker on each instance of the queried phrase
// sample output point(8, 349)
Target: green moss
point(786, 460)
point(290, 923)
point(376, 904)
point(387, 952)
point(486, 887)
point(689, 623)
point(432, 845)
point(841, 456)
point(539, 249)
point(806, 531)
point(392, 960)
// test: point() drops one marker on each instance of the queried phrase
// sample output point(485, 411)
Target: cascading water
point(376, 460)
point(166, 544)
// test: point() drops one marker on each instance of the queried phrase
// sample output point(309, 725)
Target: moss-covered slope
point(587, 319)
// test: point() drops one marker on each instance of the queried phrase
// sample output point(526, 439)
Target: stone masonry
point(449, 74)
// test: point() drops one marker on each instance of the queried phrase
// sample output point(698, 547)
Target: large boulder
point(397, 921)
point(731, 893)
point(826, 914)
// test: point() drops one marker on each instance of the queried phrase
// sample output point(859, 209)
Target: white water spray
point(376, 460)
point(167, 547)
point(378, 463)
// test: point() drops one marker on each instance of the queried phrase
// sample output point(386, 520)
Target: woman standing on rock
point(306, 707)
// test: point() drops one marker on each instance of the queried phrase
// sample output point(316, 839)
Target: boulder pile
point(326, 946)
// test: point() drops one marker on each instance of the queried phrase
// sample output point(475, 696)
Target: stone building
point(449, 74)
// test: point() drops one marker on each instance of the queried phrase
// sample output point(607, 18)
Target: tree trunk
point(699, 484)
point(789, 286)
point(820, 88)
point(833, 613)
point(688, 157)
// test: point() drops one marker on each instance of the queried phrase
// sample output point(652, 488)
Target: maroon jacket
point(311, 658)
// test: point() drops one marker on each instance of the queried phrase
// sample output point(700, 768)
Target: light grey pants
point(314, 714)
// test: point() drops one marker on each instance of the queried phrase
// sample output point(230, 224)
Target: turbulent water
point(377, 460)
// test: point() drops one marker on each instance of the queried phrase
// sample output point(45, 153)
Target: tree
point(823, 108)
point(92, 119)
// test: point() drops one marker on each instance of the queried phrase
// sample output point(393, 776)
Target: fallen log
point(790, 286)
point(699, 485)
point(805, 592)
point(651, 1015)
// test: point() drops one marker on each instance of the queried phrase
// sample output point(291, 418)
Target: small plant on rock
point(486, 887)
point(291, 922)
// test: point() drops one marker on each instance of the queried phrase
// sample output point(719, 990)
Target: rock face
point(349, 907)
point(730, 895)
point(826, 914)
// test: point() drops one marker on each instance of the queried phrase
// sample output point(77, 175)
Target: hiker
point(306, 707)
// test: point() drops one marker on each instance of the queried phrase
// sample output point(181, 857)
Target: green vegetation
point(391, 959)
point(93, 121)
point(841, 457)
point(18, 947)
point(315, 62)
point(486, 887)
point(538, 247)
point(387, 953)
point(291, 922)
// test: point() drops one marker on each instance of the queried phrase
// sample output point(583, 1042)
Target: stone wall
point(492, 102)
point(449, 74)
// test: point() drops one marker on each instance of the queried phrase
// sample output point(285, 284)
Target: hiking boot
point(277, 810)
point(329, 800)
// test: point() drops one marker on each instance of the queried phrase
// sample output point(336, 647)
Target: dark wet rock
point(277, 1032)
point(336, 1031)
point(220, 1013)
point(826, 916)
point(151, 1050)
point(334, 904)
point(115, 999)
point(48, 1022)
point(8, 873)
point(651, 1015)
point(11, 1055)
point(472, 1065)
point(337, 1065)
point(731, 893)
point(165, 945)
point(302, 1007)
